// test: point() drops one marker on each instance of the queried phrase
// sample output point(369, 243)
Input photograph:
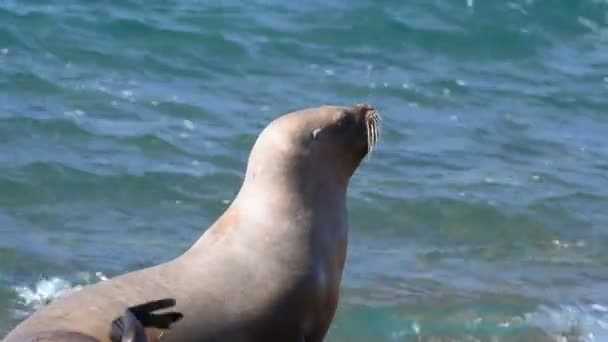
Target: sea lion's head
point(327, 140)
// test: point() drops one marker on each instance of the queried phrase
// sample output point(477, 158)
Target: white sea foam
point(585, 323)
point(567, 323)
point(48, 289)
point(189, 125)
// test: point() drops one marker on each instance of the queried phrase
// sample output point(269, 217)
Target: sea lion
point(269, 268)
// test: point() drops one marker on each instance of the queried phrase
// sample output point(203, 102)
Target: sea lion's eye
point(315, 133)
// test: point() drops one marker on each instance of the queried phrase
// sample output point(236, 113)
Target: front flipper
point(130, 326)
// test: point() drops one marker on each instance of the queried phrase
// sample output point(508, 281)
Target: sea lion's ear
point(315, 133)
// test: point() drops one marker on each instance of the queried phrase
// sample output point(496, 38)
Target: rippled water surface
point(482, 216)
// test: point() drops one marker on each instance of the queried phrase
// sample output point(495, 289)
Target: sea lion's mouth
point(372, 123)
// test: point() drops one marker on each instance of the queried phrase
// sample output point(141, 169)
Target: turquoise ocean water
point(482, 216)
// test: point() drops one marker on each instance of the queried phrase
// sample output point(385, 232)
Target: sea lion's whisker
point(372, 134)
point(377, 115)
point(373, 125)
point(376, 123)
point(376, 118)
point(373, 130)
point(368, 135)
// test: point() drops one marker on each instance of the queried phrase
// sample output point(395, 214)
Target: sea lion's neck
point(303, 184)
point(286, 202)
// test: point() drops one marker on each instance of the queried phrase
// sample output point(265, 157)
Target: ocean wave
point(565, 323)
point(48, 289)
point(22, 126)
point(104, 147)
point(38, 182)
point(581, 323)
point(460, 322)
point(76, 126)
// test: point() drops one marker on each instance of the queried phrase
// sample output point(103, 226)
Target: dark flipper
point(130, 326)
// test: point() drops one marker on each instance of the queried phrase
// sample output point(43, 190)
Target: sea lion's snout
point(363, 109)
point(370, 116)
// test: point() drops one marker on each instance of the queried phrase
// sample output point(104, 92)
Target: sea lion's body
point(269, 269)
